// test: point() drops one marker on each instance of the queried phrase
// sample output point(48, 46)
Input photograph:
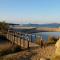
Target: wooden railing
point(24, 40)
point(18, 38)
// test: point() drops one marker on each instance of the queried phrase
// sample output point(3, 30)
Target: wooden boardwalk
point(18, 38)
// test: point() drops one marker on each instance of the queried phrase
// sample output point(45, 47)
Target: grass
point(52, 40)
point(55, 57)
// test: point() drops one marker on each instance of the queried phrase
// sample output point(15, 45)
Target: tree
point(4, 26)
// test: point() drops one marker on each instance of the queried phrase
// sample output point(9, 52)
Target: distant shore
point(49, 29)
point(39, 29)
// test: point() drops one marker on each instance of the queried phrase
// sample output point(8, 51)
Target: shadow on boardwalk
point(3, 39)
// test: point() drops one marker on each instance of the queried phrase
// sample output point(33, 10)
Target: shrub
point(52, 40)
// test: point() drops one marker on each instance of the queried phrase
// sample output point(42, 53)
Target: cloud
point(35, 20)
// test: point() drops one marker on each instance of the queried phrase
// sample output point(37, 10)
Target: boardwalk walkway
point(16, 38)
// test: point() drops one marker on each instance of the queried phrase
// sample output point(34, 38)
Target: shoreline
point(38, 29)
point(49, 29)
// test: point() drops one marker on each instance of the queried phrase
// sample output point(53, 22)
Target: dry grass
point(49, 29)
point(32, 54)
point(55, 57)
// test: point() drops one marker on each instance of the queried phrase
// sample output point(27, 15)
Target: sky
point(30, 11)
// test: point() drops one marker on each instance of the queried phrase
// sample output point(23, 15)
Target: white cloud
point(35, 20)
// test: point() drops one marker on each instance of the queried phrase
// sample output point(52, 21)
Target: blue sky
point(30, 11)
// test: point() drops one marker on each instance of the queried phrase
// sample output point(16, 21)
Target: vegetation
point(52, 40)
point(4, 26)
point(37, 41)
point(55, 58)
point(41, 42)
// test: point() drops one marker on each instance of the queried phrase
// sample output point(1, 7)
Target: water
point(45, 35)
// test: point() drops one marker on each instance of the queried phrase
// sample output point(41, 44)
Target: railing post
point(17, 37)
point(31, 37)
point(20, 39)
point(9, 36)
point(28, 44)
point(41, 42)
point(23, 40)
point(35, 36)
point(28, 41)
point(14, 37)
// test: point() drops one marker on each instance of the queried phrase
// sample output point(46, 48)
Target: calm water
point(45, 35)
